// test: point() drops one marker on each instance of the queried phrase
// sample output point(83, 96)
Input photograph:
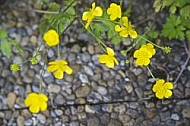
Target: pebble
point(59, 99)
point(82, 91)
point(85, 57)
point(175, 117)
point(11, 98)
point(102, 90)
point(81, 115)
point(139, 92)
point(91, 49)
point(93, 121)
point(50, 53)
point(28, 122)
point(132, 112)
point(59, 112)
point(41, 118)
point(186, 113)
point(53, 88)
point(151, 112)
point(76, 48)
point(129, 87)
point(20, 120)
point(89, 109)
point(165, 116)
point(33, 40)
point(114, 122)
point(83, 78)
point(88, 70)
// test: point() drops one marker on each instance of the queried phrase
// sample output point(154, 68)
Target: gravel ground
point(91, 82)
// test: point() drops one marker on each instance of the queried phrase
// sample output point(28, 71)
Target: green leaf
point(185, 12)
point(68, 2)
point(97, 29)
point(43, 26)
point(52, 7)
point(173, 28)
point(3, 33)
point(16, 45)
point(188, 35)
point(71, 11)
point(6, 48)
point(173, 9)
point(153, 34)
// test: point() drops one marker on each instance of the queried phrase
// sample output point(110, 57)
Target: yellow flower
point(51, 38)
point(162, 89)
point(126, 28)
point(36, 102)
point(58, 67)
point(150, 48)
point(114, 11)
point(143, 56)
point(108, 58)
point(89, 15)
point(15, 67)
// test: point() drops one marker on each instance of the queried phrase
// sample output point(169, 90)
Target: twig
point(183, 67)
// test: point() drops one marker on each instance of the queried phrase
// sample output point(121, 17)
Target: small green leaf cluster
point(177, 25)
point(57, 19)
point(6, 44)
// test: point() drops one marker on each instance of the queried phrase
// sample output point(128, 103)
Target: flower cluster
point(162, 89)
point(144, 54)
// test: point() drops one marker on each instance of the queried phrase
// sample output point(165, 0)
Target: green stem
point(58, 52)
point(151, 73)
point(150, 42)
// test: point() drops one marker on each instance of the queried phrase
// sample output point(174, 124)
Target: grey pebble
point(41, 118)
point(83, 78)
point(59, 99)
point(175, 116)
point(88, 70)
point(28, 122)
point(85, 57)
point(102, 90)
point(50, 53)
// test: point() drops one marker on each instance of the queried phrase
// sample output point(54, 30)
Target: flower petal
point(110, 51)
point(110, 63)
point(139, 62)
point(133, 33)
point(168, 93)
point(98, 11)
point(34, 108)
point(103, 58)
point(115, 60)
point(124, 33)
point(52, 68)
point(146, 61)
point(43, 106)
point(168, 85)
point(117, 28)
point(43, 97)
point(85, 16)
point(159, 95)
point(68, 70)
point(125, 21)
point(58, 74)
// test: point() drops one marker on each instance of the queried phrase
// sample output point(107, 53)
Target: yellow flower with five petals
point(143, 56)
point(59, 67)
point(51, 38)
point(89, 15)
point(126, 28)
point(162, 89)
point(114, 11)
point(36, 102)
point(108, 58)
point(150, 48)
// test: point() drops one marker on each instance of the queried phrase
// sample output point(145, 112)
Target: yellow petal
point(168, 85)
point(168, 93)
point(93, 5)
point(98, 11)
point(136, 54)
point(139, 62)
point(52, 63)
point(115, 60)
point(133, 34)
point(52, 68)
point(150, 45)
point(87, 25)
point(58, 74)
point(34, 108)
point(43, 97)
point(85, 16)
point(146, 61)
point(43, 106)
point(110, 63)
point(159, 95)
point(125, 21)
point(110, 51)
point(102, 58)
point(68, 70)
point(117, 28)
point(124, 33)
point(30, 99)
point(160, 81)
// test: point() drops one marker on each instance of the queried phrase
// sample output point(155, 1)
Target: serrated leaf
point(6, 48)
point(98, 29)
point(71, 11)
point(185, 11)
point(188, 35)
point(3, 33)
point(43, 26)
point(116, 40)
point(153, 34)
point(52, 7)
point(173, 9)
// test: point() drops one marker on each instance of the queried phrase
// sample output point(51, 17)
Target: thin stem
point(58, 52)
point(44, 12)
point(150, 42)
point(151, 73)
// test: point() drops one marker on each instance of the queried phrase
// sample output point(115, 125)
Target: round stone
point(82, 91)
point(102, 90)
